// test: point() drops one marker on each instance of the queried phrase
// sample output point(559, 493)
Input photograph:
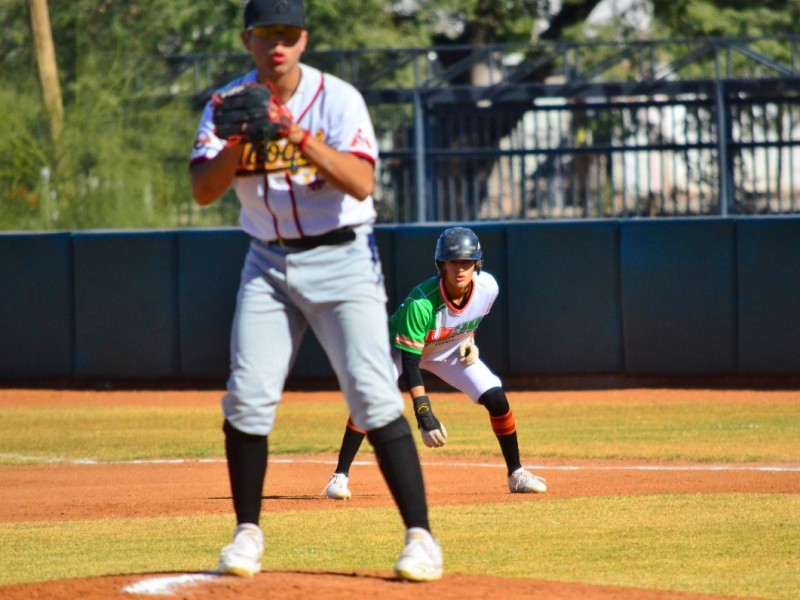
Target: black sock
point(247, 468)
point(399, 462)
point(351, 442)
point(510, 449)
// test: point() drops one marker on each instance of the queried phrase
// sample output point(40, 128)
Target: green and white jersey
point(427, 323)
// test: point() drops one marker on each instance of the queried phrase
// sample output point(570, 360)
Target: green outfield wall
point(666, 298)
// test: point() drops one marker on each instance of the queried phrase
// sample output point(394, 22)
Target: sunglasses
point(278, 33)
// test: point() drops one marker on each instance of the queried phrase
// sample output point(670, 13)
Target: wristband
point(424, 414)
point(302, 145)
point(422, 405)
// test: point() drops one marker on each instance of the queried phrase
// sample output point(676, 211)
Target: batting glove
point(468, 352)
point(435, 438)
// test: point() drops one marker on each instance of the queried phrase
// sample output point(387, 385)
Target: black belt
point(332, 238)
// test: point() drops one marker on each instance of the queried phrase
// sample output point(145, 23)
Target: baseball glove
point(250, 113)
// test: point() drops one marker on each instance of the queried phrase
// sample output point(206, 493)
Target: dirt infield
point(201, 487)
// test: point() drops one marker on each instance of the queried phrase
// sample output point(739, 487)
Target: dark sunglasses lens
point(289, 35)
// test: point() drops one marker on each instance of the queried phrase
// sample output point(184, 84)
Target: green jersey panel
point(427, 323)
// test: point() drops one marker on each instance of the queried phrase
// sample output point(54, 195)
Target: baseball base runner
point(434, 329)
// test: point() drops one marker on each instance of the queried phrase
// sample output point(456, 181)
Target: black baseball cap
point(263, 13)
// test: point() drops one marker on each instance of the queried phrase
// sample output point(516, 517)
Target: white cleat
point(523, 482)
point(242, 557)
point(337, 487)
point(421, 559)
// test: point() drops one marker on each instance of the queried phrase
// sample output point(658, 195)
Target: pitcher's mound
point(305, 585)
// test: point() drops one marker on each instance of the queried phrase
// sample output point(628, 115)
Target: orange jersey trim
point(407, 342)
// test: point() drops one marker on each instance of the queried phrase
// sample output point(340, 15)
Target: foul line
point(429, 463)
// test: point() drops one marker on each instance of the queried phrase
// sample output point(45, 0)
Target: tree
point(46, 61)
point(726, 18)
point(127, 121)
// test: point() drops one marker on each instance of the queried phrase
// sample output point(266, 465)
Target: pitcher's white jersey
point(427, 323)
point(281, 194)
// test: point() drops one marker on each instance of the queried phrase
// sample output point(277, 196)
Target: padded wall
point(768, 253)
point(679, 301)
point(126, 305)
point(209, 266)
point(563, 298)
point(664, 297)
point(36, 322)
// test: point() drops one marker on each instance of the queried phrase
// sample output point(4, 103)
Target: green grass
point(737, 544)
point(109, 433)
point(702, 431)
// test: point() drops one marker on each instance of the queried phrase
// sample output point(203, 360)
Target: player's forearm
point(211, 178)
point(346, 172)
point(416, 392)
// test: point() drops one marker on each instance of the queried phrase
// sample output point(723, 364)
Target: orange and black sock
point(505, 428)
point(503, 425)
point(351, 442)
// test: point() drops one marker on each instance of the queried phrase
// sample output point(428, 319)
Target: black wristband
point(424, 414)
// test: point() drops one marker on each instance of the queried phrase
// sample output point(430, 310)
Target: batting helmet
point(459, 243)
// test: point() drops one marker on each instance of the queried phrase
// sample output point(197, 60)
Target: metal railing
point(566, 130)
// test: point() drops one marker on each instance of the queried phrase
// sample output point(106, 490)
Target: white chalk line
point(317, 461)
